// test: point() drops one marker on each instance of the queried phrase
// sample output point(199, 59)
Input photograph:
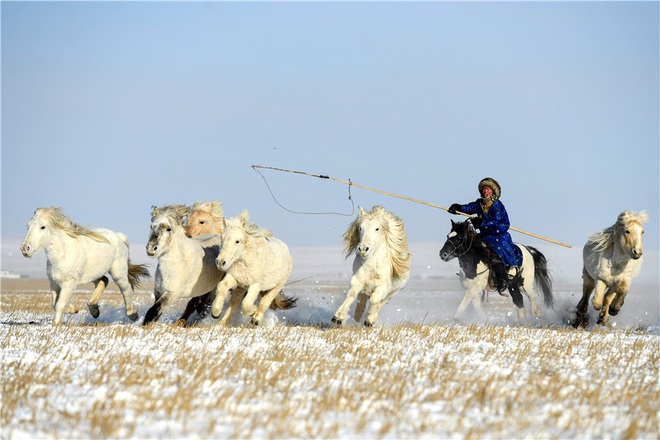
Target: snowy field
point(416, 374)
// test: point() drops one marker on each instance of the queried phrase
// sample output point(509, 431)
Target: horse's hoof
point(133, 316)
point(180, 323)
point(94, 310)
point(254, 322)
point(336, 320)
point(368, 324)
point(614, 311)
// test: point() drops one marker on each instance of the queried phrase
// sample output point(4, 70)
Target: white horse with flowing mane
point(382, 262)
point(186, 266)
point(612, 258)
point(256, 262)
point(77, 255)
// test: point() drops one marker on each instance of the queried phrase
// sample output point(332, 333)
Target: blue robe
point(494, 231)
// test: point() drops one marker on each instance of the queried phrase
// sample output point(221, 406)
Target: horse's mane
point(395, 239)
point(176, 212)
point(55, 216)
point(214, 209)
point(482, 251)
point(252, 229)
point(603, 240)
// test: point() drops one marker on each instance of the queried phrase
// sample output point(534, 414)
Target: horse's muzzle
point(446, 256)
point(27, 250)
point(151, 250)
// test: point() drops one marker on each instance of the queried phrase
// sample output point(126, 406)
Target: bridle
point(461, 250)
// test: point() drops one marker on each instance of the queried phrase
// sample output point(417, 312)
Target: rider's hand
point(454, 208)
point(476, 222)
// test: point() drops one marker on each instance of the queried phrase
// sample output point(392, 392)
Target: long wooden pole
point(398, 196)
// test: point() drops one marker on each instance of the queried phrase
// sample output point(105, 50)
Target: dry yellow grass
point(422, 381)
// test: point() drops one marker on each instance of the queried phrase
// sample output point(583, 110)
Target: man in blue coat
point(493, 223)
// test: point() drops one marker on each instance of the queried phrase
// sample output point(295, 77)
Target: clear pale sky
point(109, 108)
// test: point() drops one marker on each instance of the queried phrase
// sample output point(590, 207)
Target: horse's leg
point(156, 310)
point(469, 297)
point(62, 301)
point(529, 291)
point(581, 315)
point(599, 294)
point(265, 302)
point(360, 306)
point(99, 288)
point(604, 316)
point(342, 312)
point(617, 303)
point(247, 306)
point(234, 304)
point(221, 291)
point(204, 304)
point(476, 302)
point(379, 298)
point(189, 310)
point(120, 277)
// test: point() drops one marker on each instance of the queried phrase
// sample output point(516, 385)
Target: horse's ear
point(244, 216)
point(154, 211)
point(361, 211)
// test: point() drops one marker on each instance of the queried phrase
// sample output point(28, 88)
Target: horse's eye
point(169, 229)
point(43, 227)
point(238, 241)
point(202, 222)
point(627, 231)
point(377, 229)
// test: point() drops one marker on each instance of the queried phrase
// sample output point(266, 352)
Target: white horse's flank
point(254, 261)
point(612, 258)
point(382, 262)
point(186, 266)
point(77, 255)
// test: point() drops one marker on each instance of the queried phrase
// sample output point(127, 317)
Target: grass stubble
point(421, 381)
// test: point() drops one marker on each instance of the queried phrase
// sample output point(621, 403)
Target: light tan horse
point(612, 258)
point(382, 262)
point(202, 218)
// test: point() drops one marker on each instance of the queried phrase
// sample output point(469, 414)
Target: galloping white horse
point(254, 261)
point(382, 262)
point(612, 258)
point(186, 266)
point(475, 259)
point(78, 255)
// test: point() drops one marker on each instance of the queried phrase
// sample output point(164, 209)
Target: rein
point(460, 253)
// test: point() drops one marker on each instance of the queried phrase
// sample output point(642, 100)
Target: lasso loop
point(272, 194)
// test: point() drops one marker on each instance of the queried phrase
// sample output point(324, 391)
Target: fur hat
point(492, 184)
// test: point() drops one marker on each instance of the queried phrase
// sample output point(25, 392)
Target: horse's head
point(367, 233)
point(39, 231)
point(204, 218)
point(234, 240)
point(458, 241)
point(629, 231)
point(165, 224)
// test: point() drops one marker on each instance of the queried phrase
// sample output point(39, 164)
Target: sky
point(109, 108)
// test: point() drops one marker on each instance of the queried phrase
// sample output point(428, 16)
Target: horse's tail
point(135, 271)
point(283, 302)
point(542, 276)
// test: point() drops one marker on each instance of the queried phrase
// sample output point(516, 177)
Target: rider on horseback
point(492, 221)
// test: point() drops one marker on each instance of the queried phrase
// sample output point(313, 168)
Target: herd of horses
point(231, 264)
